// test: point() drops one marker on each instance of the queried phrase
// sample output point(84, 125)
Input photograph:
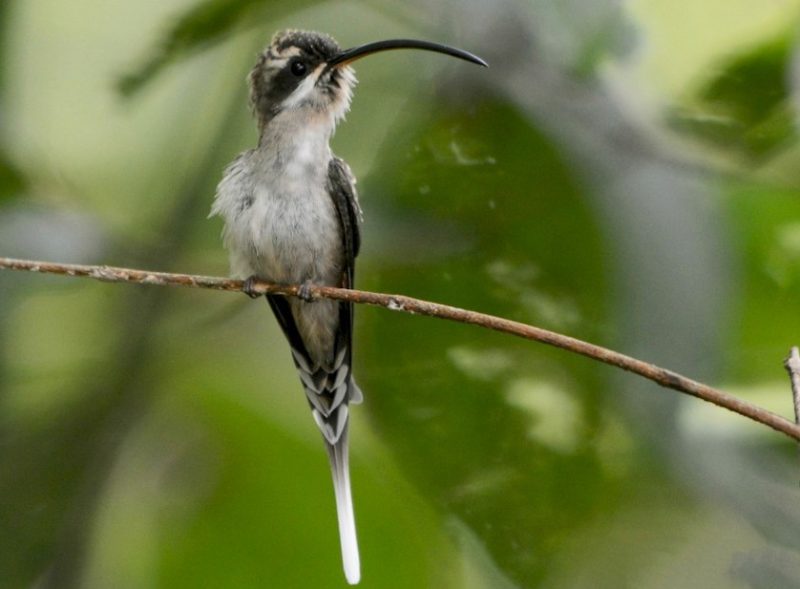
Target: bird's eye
point(298, 68)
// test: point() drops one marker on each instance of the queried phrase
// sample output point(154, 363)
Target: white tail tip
point(344, 509)
point(352, 571)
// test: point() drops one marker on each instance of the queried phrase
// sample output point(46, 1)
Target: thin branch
point(661, 376)
point(792, 365)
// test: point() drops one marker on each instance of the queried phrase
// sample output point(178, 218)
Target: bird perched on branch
point(292, 217)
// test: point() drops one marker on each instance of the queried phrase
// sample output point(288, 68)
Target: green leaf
point(745, 110)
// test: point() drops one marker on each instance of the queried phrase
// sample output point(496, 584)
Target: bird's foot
point(304, 291)
point(249, 287)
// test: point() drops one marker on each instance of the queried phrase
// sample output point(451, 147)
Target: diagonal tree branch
point(661, 376)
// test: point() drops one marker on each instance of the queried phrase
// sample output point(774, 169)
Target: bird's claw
point(249, 287)
point(304, 291)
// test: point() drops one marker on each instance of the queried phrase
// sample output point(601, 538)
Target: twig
point(661, 376)
point(792, 365)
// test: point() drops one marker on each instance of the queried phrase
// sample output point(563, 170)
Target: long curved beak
point(354, 53)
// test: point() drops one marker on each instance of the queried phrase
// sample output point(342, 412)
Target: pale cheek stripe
point(305, 88)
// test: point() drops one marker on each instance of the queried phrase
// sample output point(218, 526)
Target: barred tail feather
point(340, 469)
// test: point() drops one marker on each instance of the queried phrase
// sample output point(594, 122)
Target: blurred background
point(625, 172)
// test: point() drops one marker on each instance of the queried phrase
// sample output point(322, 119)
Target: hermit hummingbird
point(292, 216)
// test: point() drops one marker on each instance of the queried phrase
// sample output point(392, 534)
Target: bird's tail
point(340, 469)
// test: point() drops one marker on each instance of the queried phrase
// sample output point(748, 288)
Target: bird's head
point(307, 71)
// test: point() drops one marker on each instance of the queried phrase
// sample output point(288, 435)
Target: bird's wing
point(342, 189)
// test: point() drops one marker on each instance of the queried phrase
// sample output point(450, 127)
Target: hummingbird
point(292, 216)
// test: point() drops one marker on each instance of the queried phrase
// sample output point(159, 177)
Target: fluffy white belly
point(293, 235)
point(289, 235)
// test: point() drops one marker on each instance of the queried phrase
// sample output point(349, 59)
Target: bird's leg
point(249, 287)
point(304, 291)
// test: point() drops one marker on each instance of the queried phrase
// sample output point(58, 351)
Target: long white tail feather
point(340, 470)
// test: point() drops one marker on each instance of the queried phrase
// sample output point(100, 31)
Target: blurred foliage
point(601, 31)
point(766, 219)
point(206, 22)
point(745, 109)
point(159, 439)
point(12, 182)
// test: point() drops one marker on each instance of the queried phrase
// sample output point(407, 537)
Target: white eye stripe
point(276, 64)
point(285, 53)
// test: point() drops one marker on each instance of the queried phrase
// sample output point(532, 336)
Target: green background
point(625, 172)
